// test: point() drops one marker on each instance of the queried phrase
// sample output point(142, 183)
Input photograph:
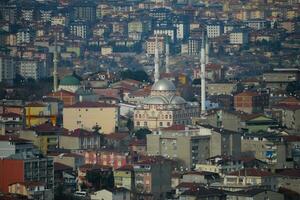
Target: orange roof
point(251, 172)
point(247, 93)
point(90, 105)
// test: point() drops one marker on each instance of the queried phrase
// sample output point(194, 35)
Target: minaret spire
point(206, 51)
point(55, 61)
point(156, 61)
point(203, 62)
point(167, 57)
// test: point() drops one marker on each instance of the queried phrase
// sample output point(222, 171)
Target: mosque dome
point(70, 80)
point(155, 100)
point(177, 100)
point(163, 85)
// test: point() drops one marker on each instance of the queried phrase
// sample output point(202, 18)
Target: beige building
point(150, 45)
point(193, 145)
point(250, 177)
point(79, 139)
point(221, 88)
point(188, 146)
point(31, 189)
point(163, 108)
point(87, 115)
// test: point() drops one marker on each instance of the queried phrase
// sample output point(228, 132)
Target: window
point(145, 124)
point(160, 124)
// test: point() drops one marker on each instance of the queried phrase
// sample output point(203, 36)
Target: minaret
point(203, 62)
point(206, 51)
point(167, 57)
point(55, 61)
point(156, 61)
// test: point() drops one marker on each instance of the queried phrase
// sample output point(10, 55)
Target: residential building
point(25, 36)
point(214, 29)
point(221, 165)
point(80, 29)
point(167, 31)
point(201, 193)
point(10, 145)
point(250, 102)
point(150, 45)
point(44, 136)
point(7, 69)
point(221, 88)
point(26, 167)
point(39, 113)
point(80, 139)
point(188, 146)
point(31, 189)
point(85, 11)
point(152, 178)
point(69, 159)
point(88, 115)
point(115, 194)
point(95, 168)
point(124, 177)
point(105, 157)
point(12, 122)
point(34, 69)
point(254, 194)
point(244, 178)
point(239, 37)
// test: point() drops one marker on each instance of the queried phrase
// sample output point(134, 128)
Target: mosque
point(163, 108)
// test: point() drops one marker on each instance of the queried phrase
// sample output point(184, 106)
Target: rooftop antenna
point(156, 61)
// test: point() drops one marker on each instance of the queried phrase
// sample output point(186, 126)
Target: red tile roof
point(10, 115)
point(61, 167)
point(74, 155)
point(35, 104)
point(61, 92)
point(175, 127)
point(251, 172)
point(13, 139)
point(125, 168)
point(247, 93)
point(137, 142)
point(90, 105)
point(48, 127)
point(116, 136)
point(79, 133)
point(290, 172)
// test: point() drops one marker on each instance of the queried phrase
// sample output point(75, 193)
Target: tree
point(130, 124)
point(100, 180)
point(141, 133)
point(138, 75)
point(292, 87)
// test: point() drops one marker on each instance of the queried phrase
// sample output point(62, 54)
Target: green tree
point(100, 180)
point(141, 133)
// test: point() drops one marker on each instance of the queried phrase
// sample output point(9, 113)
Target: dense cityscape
point(150, 99)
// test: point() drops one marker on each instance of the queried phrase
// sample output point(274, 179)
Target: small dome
point(177, 100)
point(163, 85)
point(155, 100)
point(70, 80)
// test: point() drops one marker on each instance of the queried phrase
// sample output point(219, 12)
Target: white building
point(214, 30)
point(117, 194)
point(24, 36)
point(167, 31)
point(33, 69)
point(238, 37)
point(7, 69)
point(79, 30)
